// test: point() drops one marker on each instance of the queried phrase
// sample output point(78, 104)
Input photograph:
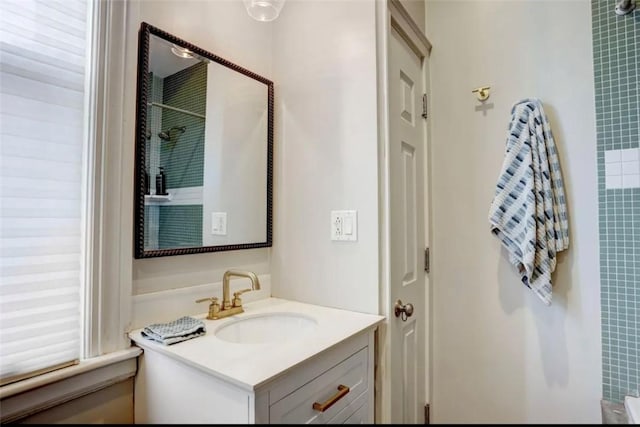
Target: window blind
point(43, 52)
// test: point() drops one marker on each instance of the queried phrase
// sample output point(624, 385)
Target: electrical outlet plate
point(344, 225)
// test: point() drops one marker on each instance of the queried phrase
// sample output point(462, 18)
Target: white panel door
point(407, 148)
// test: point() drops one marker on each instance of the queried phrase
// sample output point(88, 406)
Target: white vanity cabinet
point(341, 377)
point(330, 381)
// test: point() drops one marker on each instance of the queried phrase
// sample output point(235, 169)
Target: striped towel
point(529, 212)
point(175, 331)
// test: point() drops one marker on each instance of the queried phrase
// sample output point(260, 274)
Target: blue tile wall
point(183, 154)
point(616, 57)
point(180, 226)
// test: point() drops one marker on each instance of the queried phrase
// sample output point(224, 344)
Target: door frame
point(391, 14)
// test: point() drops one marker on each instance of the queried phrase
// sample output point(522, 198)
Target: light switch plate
point(219, 223)
point(344, 225)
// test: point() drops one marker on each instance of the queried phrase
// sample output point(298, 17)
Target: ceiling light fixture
point(181, 52)
point(264, 10)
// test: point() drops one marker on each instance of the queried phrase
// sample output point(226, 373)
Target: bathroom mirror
point(204, 151)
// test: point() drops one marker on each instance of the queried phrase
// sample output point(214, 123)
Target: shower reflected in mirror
point(624, 7)
point(167, 134)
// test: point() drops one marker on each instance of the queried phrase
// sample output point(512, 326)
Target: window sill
point(45, 391)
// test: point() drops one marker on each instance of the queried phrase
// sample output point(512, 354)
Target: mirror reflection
point(205, 174)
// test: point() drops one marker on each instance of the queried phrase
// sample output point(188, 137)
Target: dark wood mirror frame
point(141, 124)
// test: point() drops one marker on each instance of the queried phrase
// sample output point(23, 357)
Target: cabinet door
point(322, 398)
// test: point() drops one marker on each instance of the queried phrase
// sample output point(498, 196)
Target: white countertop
point(251, 365)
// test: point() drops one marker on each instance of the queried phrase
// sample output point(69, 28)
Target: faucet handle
point(237, 301)
point(214, 307)
point(212, 299)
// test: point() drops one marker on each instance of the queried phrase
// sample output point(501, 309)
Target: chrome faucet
point(230, 307)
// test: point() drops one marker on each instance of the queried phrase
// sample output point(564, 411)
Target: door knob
point(404, 310)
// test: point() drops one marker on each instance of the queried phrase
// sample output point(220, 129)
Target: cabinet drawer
point(360, 416)
point(297, 407)
point(348, 414)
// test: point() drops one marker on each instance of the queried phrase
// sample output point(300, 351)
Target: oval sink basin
point(267, 327)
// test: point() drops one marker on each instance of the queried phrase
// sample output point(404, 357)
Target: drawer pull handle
point(342, 392)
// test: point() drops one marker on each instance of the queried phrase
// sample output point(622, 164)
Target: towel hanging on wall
point(529, 212)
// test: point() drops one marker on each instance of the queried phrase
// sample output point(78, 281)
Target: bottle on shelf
point(161, 183)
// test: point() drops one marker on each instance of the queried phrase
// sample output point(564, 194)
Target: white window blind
point(43, 52)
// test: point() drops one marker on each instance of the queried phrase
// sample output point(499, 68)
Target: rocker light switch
point(348, 225)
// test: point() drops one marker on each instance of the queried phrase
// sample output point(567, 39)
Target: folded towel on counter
point(529, 212)
point(175, 331)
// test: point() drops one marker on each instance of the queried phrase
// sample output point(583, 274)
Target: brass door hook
point(482, 92)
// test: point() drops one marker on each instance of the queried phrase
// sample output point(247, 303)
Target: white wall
point(224, 28)
point(110, 405)
point(499, 354)
point(325, 152)
point(235, 157)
